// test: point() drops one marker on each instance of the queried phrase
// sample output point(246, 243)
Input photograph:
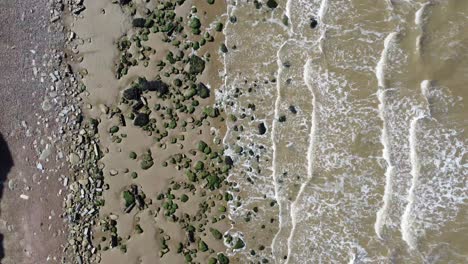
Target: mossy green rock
point(239, 244)
point(202, 246)
point(146, 164)
point(196, 65)
point(202, 145)
point(223, 259)
point(199, 166)
point(216, 234)
point(184, 198)
point(195, 23)
point(203, 91)
point(211, 111)
point(128, 198)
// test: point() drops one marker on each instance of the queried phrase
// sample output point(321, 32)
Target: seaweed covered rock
point(196, 65)
point(132, 93)
point(261, 128)
point(141, 119)
point(203, 91)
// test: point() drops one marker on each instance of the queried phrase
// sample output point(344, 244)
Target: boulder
point(132, 93)
point(141, 119)
point(203, 91)
point(272, 4)
point(196, 65)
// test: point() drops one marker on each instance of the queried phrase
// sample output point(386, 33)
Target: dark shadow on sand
point(6, 162)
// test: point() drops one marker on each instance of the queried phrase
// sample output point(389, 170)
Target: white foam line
point(418, 20)
point(382, 64)
point(407, 220)
point(380, 75)
point(408, 217)
point(273, 132)
point(310, 158)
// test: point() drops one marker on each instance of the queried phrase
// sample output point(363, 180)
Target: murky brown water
point(365, 149)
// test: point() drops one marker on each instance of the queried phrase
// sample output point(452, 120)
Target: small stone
point(113, 172)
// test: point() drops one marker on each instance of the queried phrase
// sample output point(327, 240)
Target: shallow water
point(372, 166)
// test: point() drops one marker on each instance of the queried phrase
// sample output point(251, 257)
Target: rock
point(239, 244)
point(197, 65)
point(128, 198)
point(158, 86)
point(228, 161)
point(219, 27)
point(202, 246)
point(141, 119)
point(261, 129)
point(124, 2)
point(313, 23)
point(216, 234)
point(132, 93)
point(292, 109)
point(113, 172)
point(272, 4)
point(223, 259)
point(139, 22)
point(74, 158)
point(203, 91)
point(195, 23)
point(282, 119)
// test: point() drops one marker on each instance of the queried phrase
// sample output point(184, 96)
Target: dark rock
point(156, 86)
point(132, 93)
point(292, 108)
point(197, 65)
point(282, 119)
point(272, 4)
point(139, 22)
point(203, 91)
point(141, 119)
point(124, 2)
point(313, 23)
point(228, 160)
point(137, 106)
point(261, 128)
